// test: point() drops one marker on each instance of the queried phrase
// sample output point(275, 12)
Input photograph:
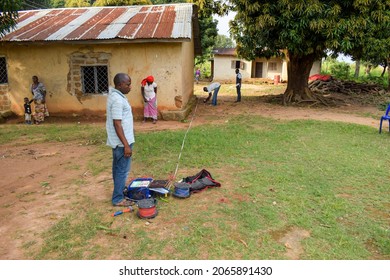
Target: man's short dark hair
point(120, 78)
point(205, 89)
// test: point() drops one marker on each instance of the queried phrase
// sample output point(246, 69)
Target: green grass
point(68, 239)
point(346, 71)
point(330, 179)
point(52, 133)
point(310, 165)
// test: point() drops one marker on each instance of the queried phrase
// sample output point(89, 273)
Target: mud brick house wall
point(76, 53)
point(5, 103)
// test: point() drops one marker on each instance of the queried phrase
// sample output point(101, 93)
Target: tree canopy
point(223, 41)
point(303, 30)
point(8, 14)
point(35, 4)
point(121, 2)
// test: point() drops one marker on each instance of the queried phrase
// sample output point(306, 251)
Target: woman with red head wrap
point(149, 94)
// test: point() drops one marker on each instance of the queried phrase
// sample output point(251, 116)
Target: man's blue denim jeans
point(238, 88)
point(120, 170)
point(215, 93)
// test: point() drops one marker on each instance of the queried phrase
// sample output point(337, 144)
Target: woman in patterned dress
point(38, 91)
point(149, 94)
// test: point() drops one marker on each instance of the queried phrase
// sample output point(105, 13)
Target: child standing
point(197, 75)
point(27, 110)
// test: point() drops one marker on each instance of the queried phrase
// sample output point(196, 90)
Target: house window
point(237, 64)
point(272, 66)
point(94, 79)
point(3, 71)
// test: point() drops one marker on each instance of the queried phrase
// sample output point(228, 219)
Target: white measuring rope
point(184, 139)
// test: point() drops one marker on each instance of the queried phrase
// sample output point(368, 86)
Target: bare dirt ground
point(39, 182)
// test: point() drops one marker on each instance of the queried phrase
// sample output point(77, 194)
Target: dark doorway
point(259, 70)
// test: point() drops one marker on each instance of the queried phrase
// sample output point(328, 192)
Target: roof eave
point(100, 41)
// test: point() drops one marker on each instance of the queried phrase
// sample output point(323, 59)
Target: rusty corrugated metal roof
point(225, 51)
point(170, 21)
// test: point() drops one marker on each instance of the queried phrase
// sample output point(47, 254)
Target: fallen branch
point(345, 87)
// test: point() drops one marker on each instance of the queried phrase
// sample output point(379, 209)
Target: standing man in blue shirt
point(120, 135)
point(238, 85)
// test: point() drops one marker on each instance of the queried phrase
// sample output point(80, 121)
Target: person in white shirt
point(214, 89)
point(238, 85)
point(120, 136)
point(149, 94)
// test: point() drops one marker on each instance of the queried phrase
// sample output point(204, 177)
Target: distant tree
point(158, 2)
point(121, 2)
point(8, 15)
point(357, 68)
point(223, 41)
point(385, 66)
point(57, 3)
point(303, 30)
point(77, 3)
point(368, 67)
point(208, 33)
point(374, 46)
point(35, 4)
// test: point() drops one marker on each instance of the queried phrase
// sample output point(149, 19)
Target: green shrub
point(340, 70)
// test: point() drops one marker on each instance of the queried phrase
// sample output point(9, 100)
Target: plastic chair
point(386, 116)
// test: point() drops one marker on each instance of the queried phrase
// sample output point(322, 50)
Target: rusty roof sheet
point(170, 21)
point(225, 51)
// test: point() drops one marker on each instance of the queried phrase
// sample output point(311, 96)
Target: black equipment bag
point(201, 181)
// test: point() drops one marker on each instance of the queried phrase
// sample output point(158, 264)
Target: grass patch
point(329, 179)
point(52, 133)
point(68, 239)
point(323, 175)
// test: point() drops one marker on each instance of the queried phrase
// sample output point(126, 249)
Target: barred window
point(94, 79)
point(272, 66)
point(237, 64)
point(3, 71)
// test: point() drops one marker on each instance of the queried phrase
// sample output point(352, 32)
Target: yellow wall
point(188, 64)
point(170, 63)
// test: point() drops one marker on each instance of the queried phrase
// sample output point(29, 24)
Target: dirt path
point(39, 182)
point(348, 114)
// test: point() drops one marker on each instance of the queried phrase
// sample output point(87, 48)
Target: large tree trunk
point(384, 69)
point(368, 69)
point(357, 68)
point(298, 71)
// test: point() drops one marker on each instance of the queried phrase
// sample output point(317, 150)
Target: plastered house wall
point(58, 66)
point(224, 70)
